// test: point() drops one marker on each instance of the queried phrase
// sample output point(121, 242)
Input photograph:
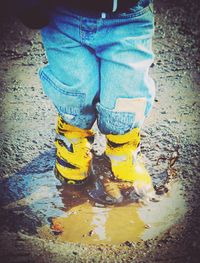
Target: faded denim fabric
point(98, 68)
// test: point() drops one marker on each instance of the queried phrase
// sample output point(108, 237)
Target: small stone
point(91, 232)
point(147, 226)
point(129, 244)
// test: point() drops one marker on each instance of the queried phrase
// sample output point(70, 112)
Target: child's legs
point(126, 90)
point(71, 78)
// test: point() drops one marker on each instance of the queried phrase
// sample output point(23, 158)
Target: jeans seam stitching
point(44, 76)
point(133, 14)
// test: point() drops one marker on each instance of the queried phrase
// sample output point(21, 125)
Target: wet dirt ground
point(31, 197)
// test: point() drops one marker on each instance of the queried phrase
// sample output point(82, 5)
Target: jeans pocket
point(65, 100)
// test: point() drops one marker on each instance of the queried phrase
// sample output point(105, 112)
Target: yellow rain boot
point(126, 163)
point(73, 154)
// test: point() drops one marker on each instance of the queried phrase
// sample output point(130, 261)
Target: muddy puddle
point(95, 224)
point(39, 204)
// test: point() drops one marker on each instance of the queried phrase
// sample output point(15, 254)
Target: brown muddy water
point(38, 203)
point(86, 223)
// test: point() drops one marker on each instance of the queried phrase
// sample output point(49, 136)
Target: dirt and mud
point(32, 199)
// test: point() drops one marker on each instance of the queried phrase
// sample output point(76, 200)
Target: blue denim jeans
point(98, 68)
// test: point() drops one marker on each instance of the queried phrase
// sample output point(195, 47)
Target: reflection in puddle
point(85, 223)
point(37, 199)
point(88, 224)
point(164, 214)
